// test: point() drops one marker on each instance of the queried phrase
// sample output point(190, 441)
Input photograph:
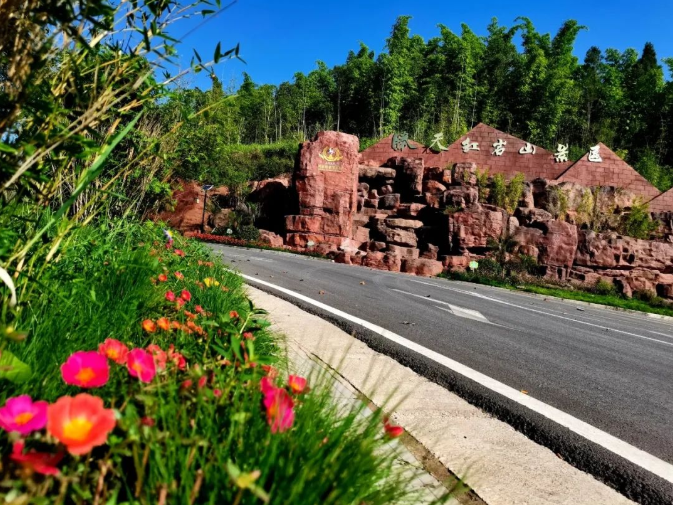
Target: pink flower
point(141, 365)
point(87, 369)
point(217, 393)
point(202, 381)
point(297, 384)
point(40, 462)
point(279, 407)
point(179, 302)
point(114, 350)
point(159, 356)
point(22, 415)
point(170, 296)
point(185, 295)
point(198, 309)
point(179, 275)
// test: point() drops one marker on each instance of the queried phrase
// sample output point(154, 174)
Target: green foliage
point(247, 232)
point(499, 191)
point(483, 185)
point(650, 168)
point(638, 223)
point(506, 194)
point(605, 288)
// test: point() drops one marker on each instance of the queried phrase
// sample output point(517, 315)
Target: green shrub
point(499, 191)
point(514, 191)
point(557, 202)
point(603, 287)
point(247, 232)
point(638, 223)
point(482, 185)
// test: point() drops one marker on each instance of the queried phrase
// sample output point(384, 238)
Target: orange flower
point(164, 324)
point(179, 275)
point(297, 384)
point(114, 350)
point(163, 278)
point(233, 314)
point(80, 423)
point(149, 326)
point(180, 252)
point(190, 315)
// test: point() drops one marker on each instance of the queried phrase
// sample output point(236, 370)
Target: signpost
point(205, 188)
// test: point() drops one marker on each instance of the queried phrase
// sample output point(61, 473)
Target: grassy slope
point(104, 285)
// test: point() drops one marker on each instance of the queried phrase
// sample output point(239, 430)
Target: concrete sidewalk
point(501, 465)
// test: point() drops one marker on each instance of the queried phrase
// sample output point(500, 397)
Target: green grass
point(611, 300)
point(104, 284)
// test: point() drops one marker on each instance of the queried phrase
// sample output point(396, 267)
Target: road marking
point(627, 451)
point(475, 315)
point(479, 295)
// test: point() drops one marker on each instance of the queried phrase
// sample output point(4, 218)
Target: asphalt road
point(611, 369)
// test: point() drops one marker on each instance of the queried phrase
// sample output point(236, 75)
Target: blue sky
point(281, 37)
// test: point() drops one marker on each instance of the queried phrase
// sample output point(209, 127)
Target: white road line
point(475, 315)
point(479, 295)
point(627, 451)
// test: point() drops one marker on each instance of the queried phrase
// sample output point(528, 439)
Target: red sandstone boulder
point(391, 201)
point(433, 187)
point(410, 209)
point(554, 241)
point(303, 223)
point(455, 263)
point(401, 236)
point(625, 253)
point(382, 261)
point(474, 227)
point(422, 267)
point(527, 215)
point(465, 174)
point(270, 238)
point(403, 252)
point(430, 252)
point(403, 223)
point(461, 197)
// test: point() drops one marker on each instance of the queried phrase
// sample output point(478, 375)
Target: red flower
point(179, 302)
point(391, 430)
point(180, 252)
point(233, 314)
point(179, 275)
point(217, 393)
point(170, 296)
point(185, 295)
point(40, 462)
point(177, 358)
point(297, 384)
point(147, 421)
point(163, 278)
point(186, 384)
point(202, 381)
point(198, 309)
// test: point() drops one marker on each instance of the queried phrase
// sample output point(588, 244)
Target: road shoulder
point(500, 464)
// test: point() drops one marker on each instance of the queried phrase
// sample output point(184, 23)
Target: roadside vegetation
point(184, 393)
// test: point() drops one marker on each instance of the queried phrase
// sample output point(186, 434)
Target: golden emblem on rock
point(331, 154)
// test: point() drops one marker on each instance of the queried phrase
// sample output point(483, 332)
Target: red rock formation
point(326, 183)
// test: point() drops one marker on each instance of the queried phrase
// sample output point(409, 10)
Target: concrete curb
point(502, 465)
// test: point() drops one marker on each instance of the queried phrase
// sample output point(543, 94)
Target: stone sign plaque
point(331, 160)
